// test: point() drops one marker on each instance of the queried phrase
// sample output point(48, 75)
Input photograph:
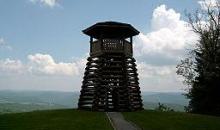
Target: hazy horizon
point(34, 90)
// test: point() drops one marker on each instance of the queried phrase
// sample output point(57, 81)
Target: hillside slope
point(70, 119)
point(154, 120)
point(66, 119)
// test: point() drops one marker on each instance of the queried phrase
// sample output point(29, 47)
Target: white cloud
point(159, 78)
point(2, 41)
point(208, 3)
point(169, 36)
point(4, 45)
point(45, 64)
point(41, 72)
point(42, 64)
point(165, 18)
point(149, 71)
point(49, 3)
point(160, 50)
point(9, 66)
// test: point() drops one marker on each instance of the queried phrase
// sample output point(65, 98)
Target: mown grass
point(154, 120)
point(67, 119)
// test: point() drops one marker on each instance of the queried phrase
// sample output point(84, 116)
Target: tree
point(201, 69)
point(163, 108)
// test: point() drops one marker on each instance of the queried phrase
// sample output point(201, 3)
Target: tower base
point(110, 83)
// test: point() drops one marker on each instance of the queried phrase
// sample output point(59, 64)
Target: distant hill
point(67, 99)
point(168, 97)
point(20, 101)
point(174, 100)
point(24, 101)
point(18, 107)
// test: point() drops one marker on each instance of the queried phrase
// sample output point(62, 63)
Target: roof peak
point(111, 29)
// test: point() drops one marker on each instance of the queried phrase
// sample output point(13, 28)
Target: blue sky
point(29, 27)
point(32, 29)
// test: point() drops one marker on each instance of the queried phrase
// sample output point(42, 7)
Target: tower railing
point(111, 46)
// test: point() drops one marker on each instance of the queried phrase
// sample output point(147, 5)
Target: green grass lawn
point(153, 120)
point(68, 119)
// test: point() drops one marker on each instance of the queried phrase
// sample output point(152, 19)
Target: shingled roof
point(110, 29)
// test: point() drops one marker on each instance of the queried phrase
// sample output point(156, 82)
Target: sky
point(42, 46)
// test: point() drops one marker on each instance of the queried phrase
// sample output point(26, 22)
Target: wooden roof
point(111, 29)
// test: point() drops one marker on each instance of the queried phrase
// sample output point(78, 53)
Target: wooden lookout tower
point(110, 80)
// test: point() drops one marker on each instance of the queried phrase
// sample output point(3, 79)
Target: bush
point(163, 108)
